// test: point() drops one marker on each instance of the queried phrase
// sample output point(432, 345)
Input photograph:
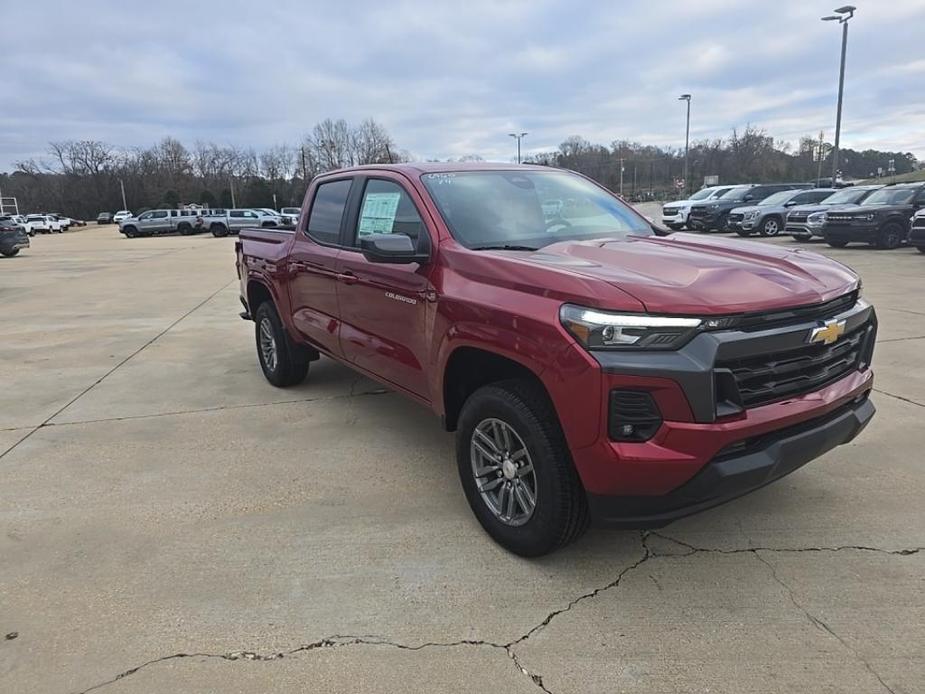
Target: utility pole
point(843, 14)
point(122, 187)
point(304, 169)
point(621, 177)
point(233, 202)
point(518, 137)
point(687, 142)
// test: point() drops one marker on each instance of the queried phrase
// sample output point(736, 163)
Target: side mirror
point(791, 203)
point(390, 248)
point(748, 197)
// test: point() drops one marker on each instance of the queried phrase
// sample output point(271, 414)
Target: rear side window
point(328, 211)
point(236, 214)
point(387, 208)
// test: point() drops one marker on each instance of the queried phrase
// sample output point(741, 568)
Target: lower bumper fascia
point(770, 458)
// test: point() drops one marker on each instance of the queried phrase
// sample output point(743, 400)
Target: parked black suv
point(712, 215)
point(13, 236)
point(805, 221)
point(882, 220)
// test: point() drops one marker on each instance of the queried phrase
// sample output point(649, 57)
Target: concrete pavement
point(171, 522)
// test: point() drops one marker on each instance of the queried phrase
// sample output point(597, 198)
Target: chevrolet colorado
point(591, 365)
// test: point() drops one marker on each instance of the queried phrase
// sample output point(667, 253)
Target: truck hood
point(692, 274)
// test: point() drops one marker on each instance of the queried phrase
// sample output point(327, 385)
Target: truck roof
point(418, 168)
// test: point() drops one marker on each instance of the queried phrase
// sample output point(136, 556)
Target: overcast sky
point(453, 78)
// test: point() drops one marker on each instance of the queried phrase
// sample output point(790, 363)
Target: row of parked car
point(884, 216)
point(220, 222)
point(44, 223)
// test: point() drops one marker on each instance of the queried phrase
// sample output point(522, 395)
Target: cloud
point(449, 79)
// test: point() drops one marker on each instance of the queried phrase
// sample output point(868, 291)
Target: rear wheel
point(284, 363)
point(890, 236)
point(218, 230)
point(516, 470)
point(185, 229)
point(771, 226)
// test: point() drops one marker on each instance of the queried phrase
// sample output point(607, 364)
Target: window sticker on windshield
point(378, 214)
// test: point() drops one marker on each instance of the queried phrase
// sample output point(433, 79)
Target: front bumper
point(703, 221)
point(802, 230)
point(706, 414)
point(917, 235)
point(730, 476)
point(866, 233)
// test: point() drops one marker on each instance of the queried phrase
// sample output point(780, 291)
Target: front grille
point(735, 217)
point(770, 377)
point(790, 316)
point(797, 217)
point(698, 211)
point(670, 211)
point(918, 223)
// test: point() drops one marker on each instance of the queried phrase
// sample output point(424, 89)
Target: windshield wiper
point(504, 247)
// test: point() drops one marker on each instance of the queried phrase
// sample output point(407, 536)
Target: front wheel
point(516, 470)
point(771, 227)
point(218, 230)
point(283, 362)
point(742, 232)
point(889, 237)
point(920, 249)
point(837, 244)
point(11, 253)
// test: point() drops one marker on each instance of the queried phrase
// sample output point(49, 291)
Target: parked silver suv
point(234, 220)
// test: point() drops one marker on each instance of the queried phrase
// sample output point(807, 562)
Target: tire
point(11, 253)
point(560, 512)
point(130, 232)
point(185, 229)
point(675, 227)
point(771, 227)
point(802, 239)
point(889, 237)
point(743, 232)
point(218, 230)
point(283, 362)
point(837, 244)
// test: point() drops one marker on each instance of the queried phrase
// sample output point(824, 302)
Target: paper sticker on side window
point(378, 214)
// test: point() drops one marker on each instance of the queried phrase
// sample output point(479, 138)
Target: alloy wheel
point(268, 345)
point(503, 471)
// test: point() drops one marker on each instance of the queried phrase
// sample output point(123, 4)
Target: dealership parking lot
point(173, 523)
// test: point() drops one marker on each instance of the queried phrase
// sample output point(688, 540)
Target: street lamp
point(842, 15)
point(687, 138)
point(518, 137)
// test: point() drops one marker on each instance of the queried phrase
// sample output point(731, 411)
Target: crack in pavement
point(120, 364)
point(899, 397)
point(648, 554)
point(819, 624)
point(199, 410)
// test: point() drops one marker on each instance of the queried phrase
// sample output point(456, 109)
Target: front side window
point(328, 211)
point(387, 208)
point(529, 209)
point(890, 196)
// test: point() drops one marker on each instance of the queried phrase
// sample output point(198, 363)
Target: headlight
point(816, 218)
point(870, 217)
point(602, 330)
point(712, 207)
point(751, 214)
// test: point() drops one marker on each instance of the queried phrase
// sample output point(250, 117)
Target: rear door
point(385, 309)
point(312, 265)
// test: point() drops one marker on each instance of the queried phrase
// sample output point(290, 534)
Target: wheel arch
point(468, 368)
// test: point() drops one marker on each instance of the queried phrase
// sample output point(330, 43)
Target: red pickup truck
point(593, 367)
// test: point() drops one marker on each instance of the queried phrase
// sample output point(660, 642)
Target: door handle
point(347, 277)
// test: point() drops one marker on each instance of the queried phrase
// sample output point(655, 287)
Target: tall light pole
point(687, 140)
point(122, 187)
point(842, 15)
point(518, 137)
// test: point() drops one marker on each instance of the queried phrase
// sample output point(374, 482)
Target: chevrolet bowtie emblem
point(828, 333)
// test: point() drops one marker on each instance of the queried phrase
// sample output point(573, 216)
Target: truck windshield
point(845, 196)
point(890, 196)
point(528, 209)
point(735, 194)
